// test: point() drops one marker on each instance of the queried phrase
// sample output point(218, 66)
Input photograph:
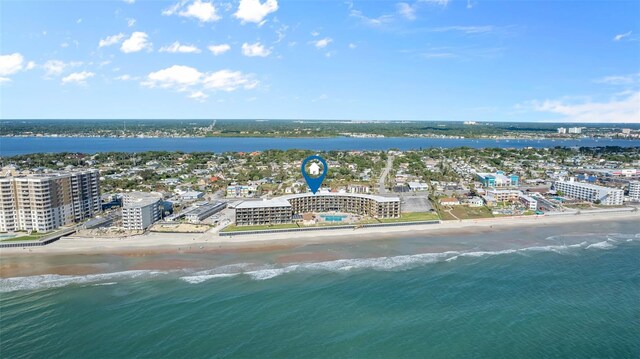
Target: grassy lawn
point(412, 217)
point(31, 237)
point(234, 228)
point(466, 212)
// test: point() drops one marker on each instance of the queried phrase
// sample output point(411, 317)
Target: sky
point(458, 60)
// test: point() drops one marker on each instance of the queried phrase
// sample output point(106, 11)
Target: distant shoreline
point(155, 243)
point(14, 146)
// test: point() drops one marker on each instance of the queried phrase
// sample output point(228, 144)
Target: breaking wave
point(55, 280)
point(265, 272)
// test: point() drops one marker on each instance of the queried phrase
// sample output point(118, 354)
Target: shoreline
point(158, 243)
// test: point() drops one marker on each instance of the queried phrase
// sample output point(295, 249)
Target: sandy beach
point(174, 242)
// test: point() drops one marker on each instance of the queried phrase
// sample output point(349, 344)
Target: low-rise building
point(504, 195)
point(191, 195)
point(203, 211)
point(418, 186)
point(589, 192)
point(475, 201)
point(358, 188)
point(449, 201)
point(236, 190)
point(529, 202)
point(497, 179)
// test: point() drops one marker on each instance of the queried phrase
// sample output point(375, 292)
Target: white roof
point(358, 195)
point(262, 204)
point(284, 200)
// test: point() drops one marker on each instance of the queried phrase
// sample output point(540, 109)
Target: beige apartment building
point(44, 202)
point(281, 209)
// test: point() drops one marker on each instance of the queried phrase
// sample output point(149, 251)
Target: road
point(383, 177)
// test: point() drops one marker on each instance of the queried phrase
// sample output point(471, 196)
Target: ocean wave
point(195, 279)
point(55, 280)
point(602, 245)
point(268, 271)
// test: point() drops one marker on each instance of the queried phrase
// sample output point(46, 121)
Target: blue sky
point(374, 60)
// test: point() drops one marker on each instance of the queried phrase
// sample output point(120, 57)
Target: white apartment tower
point(44, 202)
point(634, 190)
point(589, 192)
point(140, 210)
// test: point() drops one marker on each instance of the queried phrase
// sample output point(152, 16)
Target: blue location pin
point(314, 182)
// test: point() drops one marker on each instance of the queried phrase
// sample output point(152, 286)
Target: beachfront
point(174, 242)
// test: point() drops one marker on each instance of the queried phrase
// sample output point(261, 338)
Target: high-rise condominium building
point(140, 210)
point(44, 202)
point(634, 190)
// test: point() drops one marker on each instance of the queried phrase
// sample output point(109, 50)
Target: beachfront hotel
point(589, 192)
point(44, 202)
point(282, 209)
point(140, 210)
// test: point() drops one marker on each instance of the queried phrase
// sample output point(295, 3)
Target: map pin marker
point(314, 178)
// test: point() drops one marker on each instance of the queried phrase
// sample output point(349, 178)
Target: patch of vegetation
point(234, 228)
point(412, 217)
point(466, 212)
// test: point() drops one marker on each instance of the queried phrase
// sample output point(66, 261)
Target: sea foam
point(268, 271)
point(55, 280)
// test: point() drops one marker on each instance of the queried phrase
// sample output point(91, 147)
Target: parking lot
point(415, 203)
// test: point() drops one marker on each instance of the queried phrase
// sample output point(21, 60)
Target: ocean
point(536, 292)
point(11, 146)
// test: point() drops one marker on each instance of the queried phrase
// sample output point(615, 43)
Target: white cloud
point(203, 11)
point(322, 43)
point(198, 96)
point(315, 33)
point(227, 80)
point(177, 47)
point(352, 46)
point(255, 11)
point(137, 42)
point(282, 33)
point(77, 77)
point(186, 78)
point(465, 29)
point(126, 77)
point(621, 36)
point(177, 76)
point(256, 49)
point(57, 67)
point(131, 22)
point(620, 79)
point(470, 4)
point(371, 21)
point(4, 80)
point(129, 1)
point(10, 64)
point(30, 65)
point(219, 49)
point(111, 40)
point(624, 108)
point(407, 11)
point(436, 2)
point(78, 21)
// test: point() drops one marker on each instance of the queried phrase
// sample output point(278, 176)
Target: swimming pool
point(332, 218)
